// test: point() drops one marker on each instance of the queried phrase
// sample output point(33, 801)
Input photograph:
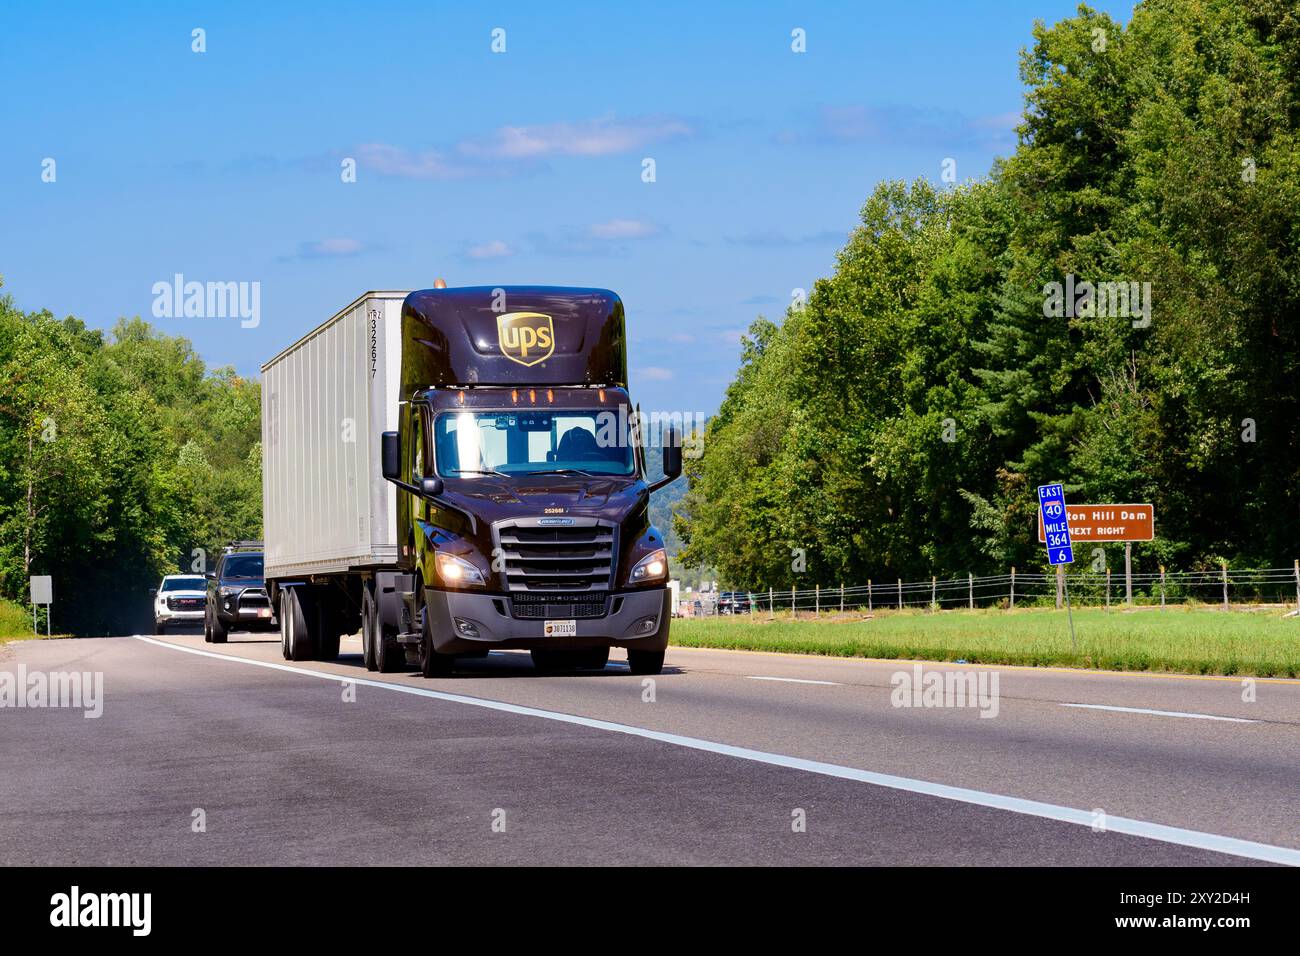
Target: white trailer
point(328, 515)
point(325, 401)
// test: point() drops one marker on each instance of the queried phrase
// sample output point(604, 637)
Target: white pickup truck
point(179, 599)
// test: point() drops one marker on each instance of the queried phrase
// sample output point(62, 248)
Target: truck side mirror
point(390, 456)
point(672, 453)
point(672, 450)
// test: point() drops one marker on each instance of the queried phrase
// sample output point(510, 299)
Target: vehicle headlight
point(457, 572)
point(652, 567)
point(229, 592)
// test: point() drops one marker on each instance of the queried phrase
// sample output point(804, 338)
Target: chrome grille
point(552, 557)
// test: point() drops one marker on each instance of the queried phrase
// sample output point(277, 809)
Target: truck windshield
point(470, 444)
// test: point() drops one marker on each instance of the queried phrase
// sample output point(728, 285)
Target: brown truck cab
point(522, 510)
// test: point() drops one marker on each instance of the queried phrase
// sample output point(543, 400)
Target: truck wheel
point(432, 664)
point(159, 627)
point(301, 645)
point(369, 628)
point(645, 662)
point(218, 629)
point(389, 656)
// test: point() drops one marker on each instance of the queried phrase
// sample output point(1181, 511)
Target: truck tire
point(645, 662)
point(159, 627)
point(370, 626)
point(301, 645)
point(432, 664)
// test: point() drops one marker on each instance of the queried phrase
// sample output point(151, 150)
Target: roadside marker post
point(1060, 551)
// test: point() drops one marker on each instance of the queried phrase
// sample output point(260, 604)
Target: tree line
point(1114, 306)
point(122, 458)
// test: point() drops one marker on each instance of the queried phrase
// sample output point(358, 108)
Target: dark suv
point(237, 598)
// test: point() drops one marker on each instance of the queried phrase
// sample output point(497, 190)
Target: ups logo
point(526, 337)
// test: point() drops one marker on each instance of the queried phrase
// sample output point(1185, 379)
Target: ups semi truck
point(455, 470)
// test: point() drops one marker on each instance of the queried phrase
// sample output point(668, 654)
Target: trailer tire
point(283, 615)
point(301, 645)
point(645, 662)
point(370, 626)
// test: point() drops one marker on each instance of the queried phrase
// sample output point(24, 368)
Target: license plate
point(560, 629)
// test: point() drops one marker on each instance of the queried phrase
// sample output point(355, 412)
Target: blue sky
point(481, 167)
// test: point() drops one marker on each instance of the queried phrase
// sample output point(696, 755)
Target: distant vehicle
point(179, 599)
point(734, 602)
point(236, 595)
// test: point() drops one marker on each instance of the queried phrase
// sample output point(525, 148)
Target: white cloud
point(511, 150)
point(330, 248)
point(492, 249)
point(654, 373)
point(598, 137)
point(623, 229)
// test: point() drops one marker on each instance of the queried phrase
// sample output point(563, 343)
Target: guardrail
point(1279, 586)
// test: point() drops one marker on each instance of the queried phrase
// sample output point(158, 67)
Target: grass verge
point(1260, 643)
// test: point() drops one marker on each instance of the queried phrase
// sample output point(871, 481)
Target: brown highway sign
point(1108, 522)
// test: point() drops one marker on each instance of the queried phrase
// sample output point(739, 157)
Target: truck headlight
point(457, 572)
point(650, 568)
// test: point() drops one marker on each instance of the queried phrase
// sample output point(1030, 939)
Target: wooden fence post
point(1013, 587)
point(793, 611)
point(1108, 589)
point(868, 595)
point(970, 584)
point(1225, 585)
point(1060, 586)
point(900, 594)
point(1162, 587)
point(817, 607)
point(933, 581)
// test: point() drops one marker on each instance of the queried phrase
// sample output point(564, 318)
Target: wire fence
point(1226, 587)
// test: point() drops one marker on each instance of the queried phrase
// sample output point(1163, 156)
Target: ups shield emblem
point(526, 337)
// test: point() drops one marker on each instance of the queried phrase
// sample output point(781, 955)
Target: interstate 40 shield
point(1056, 525)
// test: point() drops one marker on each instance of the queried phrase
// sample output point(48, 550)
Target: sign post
point(42, 593)
point(1055, 521)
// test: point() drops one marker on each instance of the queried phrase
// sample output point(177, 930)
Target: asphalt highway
point(211, 754)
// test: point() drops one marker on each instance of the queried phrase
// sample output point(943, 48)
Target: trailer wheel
point(645, 662)
point(369, 627)
point(301, 645)
point(432, 664)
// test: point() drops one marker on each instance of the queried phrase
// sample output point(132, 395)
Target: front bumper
point(638, 619)
point(168, 616)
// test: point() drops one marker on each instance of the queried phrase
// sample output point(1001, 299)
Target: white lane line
point(1163, 713)
point(1085, 818)
point(796, 680)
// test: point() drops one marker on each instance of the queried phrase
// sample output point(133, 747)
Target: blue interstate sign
point(1056, 526)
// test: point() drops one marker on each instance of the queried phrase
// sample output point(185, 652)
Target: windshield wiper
point(475, 471)
point(562, 471)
